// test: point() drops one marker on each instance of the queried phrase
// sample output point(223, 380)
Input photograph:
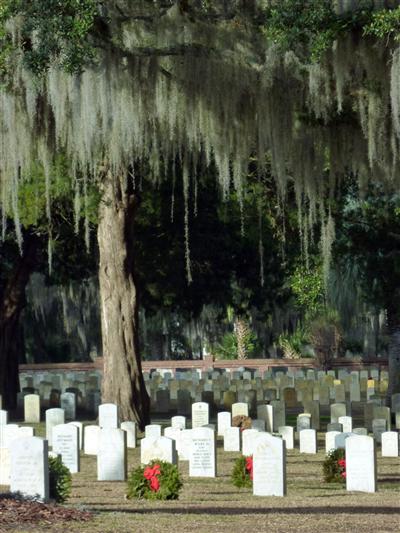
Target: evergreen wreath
point(242, 473)
point(334, 466)
point(60, 480)
point(158, 480)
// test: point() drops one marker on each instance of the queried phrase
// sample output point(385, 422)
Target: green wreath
point(158, 480)
point(60, 480)
point(334, 466)
point(242, 473)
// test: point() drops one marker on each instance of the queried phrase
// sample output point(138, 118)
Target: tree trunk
point(394, 350)
point(123, 382)
point(242, 335)
point(12, 303)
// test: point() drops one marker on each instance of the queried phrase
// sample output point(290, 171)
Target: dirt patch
point(16, 512)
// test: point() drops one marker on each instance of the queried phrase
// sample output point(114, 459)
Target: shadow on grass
point(352, 510)
point(331, 487)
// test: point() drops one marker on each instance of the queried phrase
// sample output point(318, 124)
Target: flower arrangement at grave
point(158, 480)
point(242, 422)
point(334, 466)
point(242, 473)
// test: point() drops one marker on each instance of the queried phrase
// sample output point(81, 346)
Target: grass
point(215, 505)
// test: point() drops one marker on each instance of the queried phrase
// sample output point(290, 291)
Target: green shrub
point(334, 466)
point(60, 480)
point(158, 480)
point(227, 348)
point(293, 344)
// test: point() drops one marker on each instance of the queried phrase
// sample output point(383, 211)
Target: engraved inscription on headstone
point(30, 468)
point(269, 466)
point(202, 462)
point(360, 464)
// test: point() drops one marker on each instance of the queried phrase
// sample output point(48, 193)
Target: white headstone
point(30, 468)
point(360, 431)
point(287, 433)
point(269, 466)
point(340, 440)
point(303, 422)
point(240, 409)
point(248, 441)
point(8, 434)
point(347, 423)
point(308, 441)
point(91, 439)
point(185, 444)
point(266, 413)
point(200, 414)
point(108, 415)
point(202, 462)
point(25, 431)
point(232, 439)
point(5, 466)
point(178, 422)
point(360, 464)
point(130, 428)
point(223, 422)
point(66, 444)
point(32, 408)
point(390, 444)
point(330, 440)
point(175, 435)
point(152, 430)
point(54, 417)
point(111, 455)
point(3, 417)
point(79, 425)
point(161, 448)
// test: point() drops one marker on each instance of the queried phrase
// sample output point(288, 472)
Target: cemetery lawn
point(215, 505)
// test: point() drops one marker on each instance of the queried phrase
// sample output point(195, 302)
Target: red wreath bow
point(342, 464)
point(152, 474)
point(249, 466)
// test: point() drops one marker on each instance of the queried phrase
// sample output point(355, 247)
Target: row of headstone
point(269, 457)
point(226, 388)
point(111, 442)
point(29, 460)
point(389, 440)
point(92, 379)
point(302, 384)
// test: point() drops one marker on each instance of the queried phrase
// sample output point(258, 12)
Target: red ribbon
point(342, 464)
point(249, 466)
point(151, 474)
